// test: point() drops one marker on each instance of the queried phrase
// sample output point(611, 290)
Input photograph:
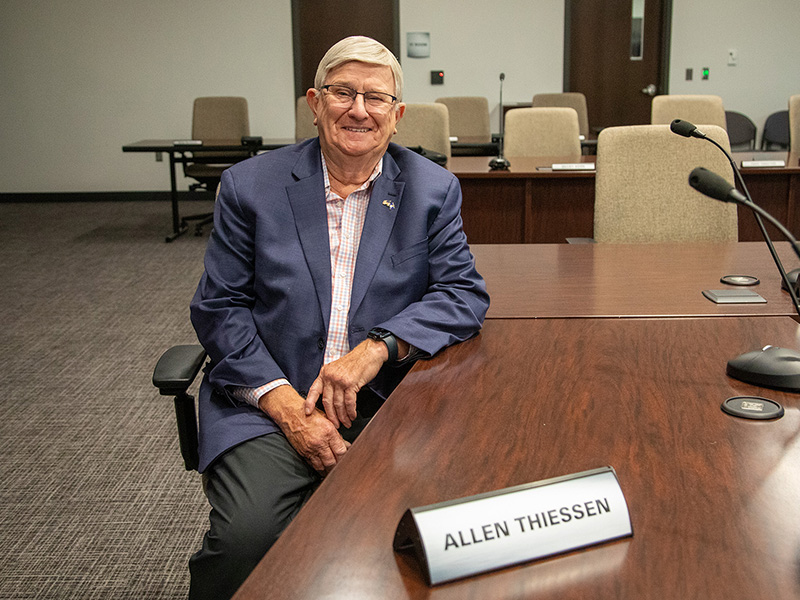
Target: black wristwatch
point(387, 337)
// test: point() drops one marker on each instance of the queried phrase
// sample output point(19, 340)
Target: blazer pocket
point(410, 252)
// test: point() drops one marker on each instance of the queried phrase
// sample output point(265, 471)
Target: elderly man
point(333, 265)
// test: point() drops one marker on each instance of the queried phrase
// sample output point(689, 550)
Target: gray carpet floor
point(94, 500)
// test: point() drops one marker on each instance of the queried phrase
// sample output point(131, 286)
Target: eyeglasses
point(343, 96)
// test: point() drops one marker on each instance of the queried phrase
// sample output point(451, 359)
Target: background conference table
point(713, 498)
point(531, 203)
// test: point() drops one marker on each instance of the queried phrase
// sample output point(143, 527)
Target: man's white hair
point(362, 49)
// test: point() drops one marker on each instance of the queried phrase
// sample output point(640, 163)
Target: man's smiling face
point(357, 130)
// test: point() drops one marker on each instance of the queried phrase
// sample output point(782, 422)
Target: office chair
point(642, 192)
point(705, 109)
point(214, 118)
point(794, 124)
point(304, 127)
point(574, 100)
point(469, 117)
point(425, 125)
point(174, 373)
point(741, 131)
point(547, 132)
point(776, 131)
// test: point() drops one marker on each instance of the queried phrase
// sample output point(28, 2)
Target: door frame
point(666, 42)
point(346, 23)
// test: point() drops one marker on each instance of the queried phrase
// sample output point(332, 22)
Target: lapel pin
point(389, 204)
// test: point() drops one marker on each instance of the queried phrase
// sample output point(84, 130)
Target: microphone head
point(683, 128)
point(502, 76)
point(710, 184)
point(686, 129)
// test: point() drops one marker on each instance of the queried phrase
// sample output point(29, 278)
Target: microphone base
point(498, 163)
point(792, 277)
point(772, 367)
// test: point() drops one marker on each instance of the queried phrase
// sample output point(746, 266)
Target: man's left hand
point(339, 381)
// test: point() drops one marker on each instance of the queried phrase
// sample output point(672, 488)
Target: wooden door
point(319, 24)
point(600, 57)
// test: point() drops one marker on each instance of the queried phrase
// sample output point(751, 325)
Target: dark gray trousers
point(255, 489)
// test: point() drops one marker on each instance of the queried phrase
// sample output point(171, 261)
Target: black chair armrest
point(177, 368)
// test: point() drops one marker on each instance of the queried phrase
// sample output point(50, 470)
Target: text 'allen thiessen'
point(526, 523)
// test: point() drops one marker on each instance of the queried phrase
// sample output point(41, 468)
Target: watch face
point(378, 333)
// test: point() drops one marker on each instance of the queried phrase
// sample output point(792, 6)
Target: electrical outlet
point(733, 57)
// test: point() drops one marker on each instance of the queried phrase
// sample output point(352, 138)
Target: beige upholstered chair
point(574, 100)
point(794, 124)
point(697, 109)
point(642, 192)
point(220, 118)
point(216, 118)
point(304, 127)
point(469, 117)
point(426, 125)
point(542, 132)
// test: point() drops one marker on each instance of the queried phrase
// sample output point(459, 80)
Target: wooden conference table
point(531, 203)
point(712, 497)
point(620, 280)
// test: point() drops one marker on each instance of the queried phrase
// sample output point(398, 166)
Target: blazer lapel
point(307, 199)
point(384, 204)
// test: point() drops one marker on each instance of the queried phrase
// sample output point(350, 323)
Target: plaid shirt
point(346, 218)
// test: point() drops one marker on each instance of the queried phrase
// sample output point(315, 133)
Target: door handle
point(650, 90)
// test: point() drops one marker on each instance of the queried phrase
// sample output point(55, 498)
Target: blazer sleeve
point(455, 303)
point(222, 307)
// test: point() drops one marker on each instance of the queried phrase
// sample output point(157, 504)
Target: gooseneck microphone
point(712, 185)
point(499, 162)
point(788, 280)
point(771, 366)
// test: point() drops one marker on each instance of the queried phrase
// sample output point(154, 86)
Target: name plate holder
point(476, 534)
point(587, 166)
point(750, 164)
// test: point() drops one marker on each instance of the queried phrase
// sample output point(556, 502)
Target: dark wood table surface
point(627, 280)
point(530, 203)
point(713, 498)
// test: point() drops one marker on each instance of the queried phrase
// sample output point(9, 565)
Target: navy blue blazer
point(261, 309)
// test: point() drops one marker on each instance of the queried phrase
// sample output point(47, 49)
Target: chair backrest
point(574, 100)
point(542, 132)
point(706, 109)
point(776, 131)
point(741, 131)
point(794, 123)
point(642, 192)
point(426, 125)
point(304, 127)
point(469, 117)
point(220, 118)
point(217, 118)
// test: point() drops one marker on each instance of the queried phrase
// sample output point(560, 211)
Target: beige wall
point(80, 78)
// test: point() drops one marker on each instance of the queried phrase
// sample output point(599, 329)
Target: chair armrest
point(176, 369)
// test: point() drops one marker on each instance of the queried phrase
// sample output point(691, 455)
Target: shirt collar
point(376, 172)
